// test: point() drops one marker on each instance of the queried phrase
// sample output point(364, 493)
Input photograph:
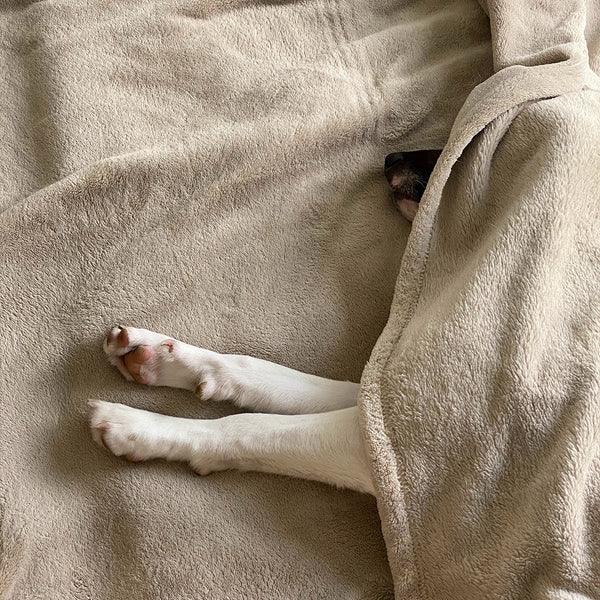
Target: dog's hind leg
point(325, 447)
point(253, 383)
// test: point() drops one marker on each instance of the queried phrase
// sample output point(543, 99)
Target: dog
point(301, 425)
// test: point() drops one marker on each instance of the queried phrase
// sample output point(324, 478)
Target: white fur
point(315, 436)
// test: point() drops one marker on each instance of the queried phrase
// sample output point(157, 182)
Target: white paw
point(141, 435)
point(126, 431)
point(138, 353)
point(155, 359)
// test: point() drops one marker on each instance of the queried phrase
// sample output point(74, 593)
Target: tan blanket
point(211, 169)
point(481, 401)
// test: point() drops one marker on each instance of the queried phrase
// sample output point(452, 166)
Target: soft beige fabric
point(211, 169)
point(481, 402)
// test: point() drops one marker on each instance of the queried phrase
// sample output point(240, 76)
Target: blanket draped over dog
point(481, 401)
point(212, 170)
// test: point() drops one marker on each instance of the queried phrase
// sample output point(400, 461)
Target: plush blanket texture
point(210, 169)
point(481, 402)
point(213, 170)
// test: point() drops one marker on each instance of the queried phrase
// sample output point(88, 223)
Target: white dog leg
point(325, 447)
point(253, 383)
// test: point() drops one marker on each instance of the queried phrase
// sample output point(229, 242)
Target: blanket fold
point(480, 401)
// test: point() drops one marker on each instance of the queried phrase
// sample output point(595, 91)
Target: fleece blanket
point(213, 170)
point(481, 401)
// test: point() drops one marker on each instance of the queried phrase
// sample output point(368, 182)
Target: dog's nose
point(393, 158)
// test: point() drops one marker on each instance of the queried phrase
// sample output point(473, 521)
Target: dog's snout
point(393, 158)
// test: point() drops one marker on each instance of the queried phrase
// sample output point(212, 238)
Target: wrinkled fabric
point(212, 171)
point(481, 402)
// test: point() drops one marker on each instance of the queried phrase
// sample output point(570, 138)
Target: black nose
point(393, 158)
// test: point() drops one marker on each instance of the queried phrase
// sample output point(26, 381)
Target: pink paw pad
point(136, 360)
